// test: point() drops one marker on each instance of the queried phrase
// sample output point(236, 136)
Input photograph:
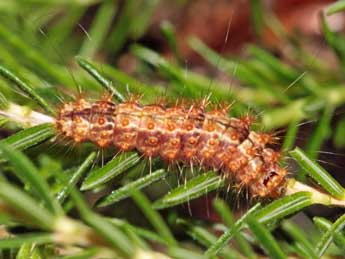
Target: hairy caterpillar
point(191, 135)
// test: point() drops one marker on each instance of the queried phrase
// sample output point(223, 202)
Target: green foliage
point(125, 191)
point(192, 189)
point(300, 239)
point(104, 82)
point(45, 192)
point(336, 7)
point(29, 137)
point(318, 173)
point(328, 236)
point(26, 89)
point(266, 239)
point(112, 169)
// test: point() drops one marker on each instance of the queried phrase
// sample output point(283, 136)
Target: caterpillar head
point(271, 184)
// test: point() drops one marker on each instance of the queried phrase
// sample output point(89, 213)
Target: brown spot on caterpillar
point(153, 141)
point(125, 122)
point(189, 127)
point(210, 128)
point(171, 127)
point(150, 125)
point(101, 121)
point(192, 141)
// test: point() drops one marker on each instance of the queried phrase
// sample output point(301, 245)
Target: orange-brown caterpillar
point(190, 135)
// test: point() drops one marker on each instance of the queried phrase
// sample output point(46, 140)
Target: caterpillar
point(192, 135)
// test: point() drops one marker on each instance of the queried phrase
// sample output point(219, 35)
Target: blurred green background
point(282, 61)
